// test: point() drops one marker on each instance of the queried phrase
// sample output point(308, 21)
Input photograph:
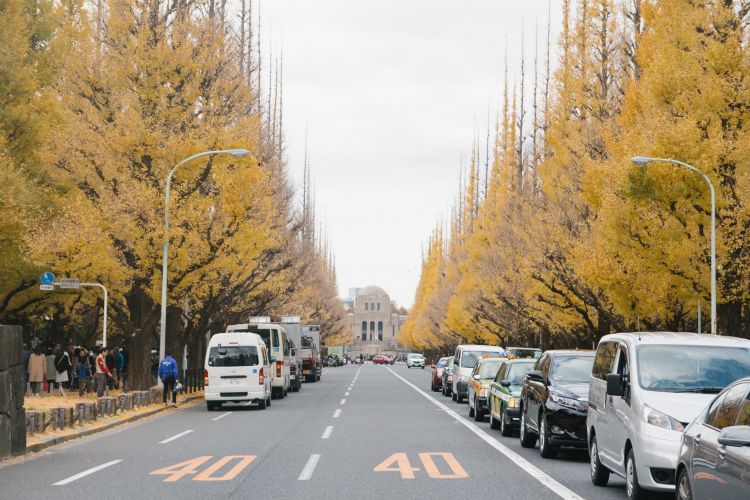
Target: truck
point(294, 337)
point(309, 350)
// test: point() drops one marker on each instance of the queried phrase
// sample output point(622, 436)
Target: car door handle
point(697, 439)
point(722, 452)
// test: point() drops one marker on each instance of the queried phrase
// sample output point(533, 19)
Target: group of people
point(70, 367)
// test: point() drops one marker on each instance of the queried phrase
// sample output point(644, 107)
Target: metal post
point(106, 302)
point(700, 318)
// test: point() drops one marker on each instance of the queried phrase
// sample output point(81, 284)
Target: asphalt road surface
point(367, 432)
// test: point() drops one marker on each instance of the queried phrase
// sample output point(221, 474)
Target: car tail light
point(205, 378)
point(261, 376)
point(278, 368)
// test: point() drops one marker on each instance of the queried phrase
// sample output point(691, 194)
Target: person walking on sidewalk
point(168, 373)
point(83, 372)
point(62, 364)
point(37, 366)
point(49, 370)
point(102, 372)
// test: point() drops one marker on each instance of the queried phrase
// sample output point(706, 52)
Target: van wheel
point(261, 404)
point(210, 406)
point(528, 440)
point(632, 488)
point(599, 473)
point(268, 401)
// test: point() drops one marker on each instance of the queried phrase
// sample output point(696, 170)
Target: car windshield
point(489, 369)
point(415, 356)
point(572, 369)
point(470, 358)
point(670, 368)
point(265, 334)
point(518, 371)
point(233, 356)
point(524, 353)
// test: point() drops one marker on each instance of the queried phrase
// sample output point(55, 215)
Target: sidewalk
point(44, 440)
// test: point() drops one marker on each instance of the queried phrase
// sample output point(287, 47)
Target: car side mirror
point(736, 435)
point(614, 385)
point(292, 352)
point(536, 376)
point(505, 383)
point(476, 377)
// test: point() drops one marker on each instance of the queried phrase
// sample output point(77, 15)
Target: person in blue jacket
point(168, 373)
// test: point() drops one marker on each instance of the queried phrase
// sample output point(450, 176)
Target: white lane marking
point(86, 473)
point(307, 472)
point(221, 416)
point(524, 464)
point(327, 432)
point(177, 436)
point(346, 393)
point(337, 413)
point(343, 401)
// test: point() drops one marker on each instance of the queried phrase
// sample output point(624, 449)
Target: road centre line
point(343, 401)
point(221, 416)
point(86, 473)
point(327, 432)
point(176, 436)
point(337, 413)
point(309, 468)
point(346, 393)
point(521, 462)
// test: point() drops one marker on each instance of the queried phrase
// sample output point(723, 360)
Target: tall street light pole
point(643, 161)
point(238, 153)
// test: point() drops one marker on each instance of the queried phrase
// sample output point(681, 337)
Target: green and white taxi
point(505, 392)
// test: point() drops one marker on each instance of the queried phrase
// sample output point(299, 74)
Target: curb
point(55, 440)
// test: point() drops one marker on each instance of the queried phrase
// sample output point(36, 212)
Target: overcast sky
point(392, 92)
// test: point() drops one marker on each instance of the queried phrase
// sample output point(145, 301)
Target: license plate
point(234, 381)
point(306, 372)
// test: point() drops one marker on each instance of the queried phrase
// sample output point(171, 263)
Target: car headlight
point(571, 403)
point(659, 419)
point(513, 403)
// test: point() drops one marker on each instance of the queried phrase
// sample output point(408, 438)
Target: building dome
point(372, 290)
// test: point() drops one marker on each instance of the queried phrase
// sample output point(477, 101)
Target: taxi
point(505, 392)
point(479, 385)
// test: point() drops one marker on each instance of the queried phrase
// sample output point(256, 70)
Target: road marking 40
point(178, 471)
point(399, 462)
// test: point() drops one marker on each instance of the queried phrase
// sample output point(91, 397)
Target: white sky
point(392, 92)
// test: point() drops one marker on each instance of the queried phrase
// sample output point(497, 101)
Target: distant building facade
point(373, 320)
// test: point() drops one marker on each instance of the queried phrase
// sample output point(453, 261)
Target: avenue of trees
point(564, 239)
point(98, 100)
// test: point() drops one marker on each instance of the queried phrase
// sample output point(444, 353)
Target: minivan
point(464, 359)
point(275, 338)
point(645, 389)
point(237, 368)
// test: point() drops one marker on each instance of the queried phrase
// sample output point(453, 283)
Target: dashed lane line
point(327, 432)
point(86, 473)
point(342, 402)
point(307, 472)
point(337, 413)
point(514, 457)
point(346, 393)
point(221, 416)
point(176, 436)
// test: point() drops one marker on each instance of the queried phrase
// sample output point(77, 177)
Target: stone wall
point(12, 417)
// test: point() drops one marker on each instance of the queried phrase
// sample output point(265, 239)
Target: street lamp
point(238, 153)
point(643, 161)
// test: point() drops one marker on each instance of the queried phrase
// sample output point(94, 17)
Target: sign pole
point(106, 300)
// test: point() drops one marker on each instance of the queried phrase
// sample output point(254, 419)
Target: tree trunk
point(144, 319)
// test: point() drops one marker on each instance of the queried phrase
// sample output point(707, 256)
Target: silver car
point(645, 389)
point(415, 360)
point(715, 451)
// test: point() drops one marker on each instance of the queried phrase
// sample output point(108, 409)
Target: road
point(370, 431)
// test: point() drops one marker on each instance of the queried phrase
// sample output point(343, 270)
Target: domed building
point(374, 321)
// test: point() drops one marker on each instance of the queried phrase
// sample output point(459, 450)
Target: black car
point(554, 401)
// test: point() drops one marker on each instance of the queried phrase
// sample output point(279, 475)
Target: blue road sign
point(47, 278)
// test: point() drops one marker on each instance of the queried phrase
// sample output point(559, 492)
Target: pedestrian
point(49, 370)
point(92, 370)
point(120, 361)
point(62, 364)
point(26, 357)
point(102, 373)
point(112, 367)
point(83, 372)
point(168, 374)
point(37, 367)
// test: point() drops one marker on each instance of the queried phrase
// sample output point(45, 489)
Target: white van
point(464, 359)
point(237, 369)
point(645, 389)
point(275, 337)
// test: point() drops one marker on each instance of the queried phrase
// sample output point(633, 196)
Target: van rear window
point(233, 356)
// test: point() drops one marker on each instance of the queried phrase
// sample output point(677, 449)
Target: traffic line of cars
point(260, 361)
point(667, 412)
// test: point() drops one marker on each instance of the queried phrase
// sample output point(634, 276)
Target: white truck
point(294, 336)
point(309, 352)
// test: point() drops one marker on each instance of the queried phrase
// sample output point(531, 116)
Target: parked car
point(464, 359)
point(447, 377)
point(505, 394)
point(523, 352)
point(479, 386)
point(715, 449)
point(415, 361)
point(238, 368)
point(554, 401)
point(382, 360)
point(437, 374)
point(645, 389)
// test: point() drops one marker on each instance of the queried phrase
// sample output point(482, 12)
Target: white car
point(238, 368)
point(645, 389)
point(415, 360)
